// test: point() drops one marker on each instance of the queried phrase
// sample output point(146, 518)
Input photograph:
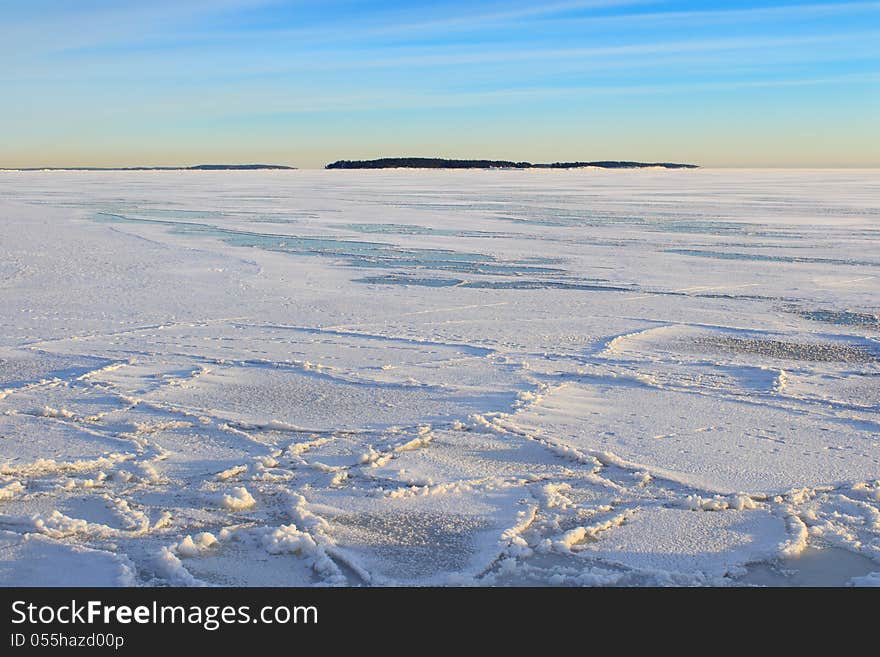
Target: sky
point(303, 83)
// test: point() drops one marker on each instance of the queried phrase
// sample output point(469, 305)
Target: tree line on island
point(390, 163)
point(441, 163)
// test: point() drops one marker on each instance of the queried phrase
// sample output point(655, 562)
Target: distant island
point(198, 167)
point(440, 163)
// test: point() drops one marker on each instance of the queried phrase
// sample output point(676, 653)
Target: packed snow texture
point(447, 377)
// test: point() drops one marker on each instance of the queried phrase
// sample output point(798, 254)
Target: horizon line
point(220, 167)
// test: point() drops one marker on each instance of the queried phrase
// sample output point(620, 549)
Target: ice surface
point(445, 377)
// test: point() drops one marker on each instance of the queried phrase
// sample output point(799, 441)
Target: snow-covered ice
point(586, 377)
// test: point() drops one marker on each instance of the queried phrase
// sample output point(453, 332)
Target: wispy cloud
point(541, 17)
point(472, 20)
point(232, 105)
point(67, 25)
point(455, 56)
point(787, 12)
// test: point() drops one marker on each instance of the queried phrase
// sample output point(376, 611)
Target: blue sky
point(751, 83)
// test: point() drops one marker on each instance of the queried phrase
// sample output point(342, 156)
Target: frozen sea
point(394, 377)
